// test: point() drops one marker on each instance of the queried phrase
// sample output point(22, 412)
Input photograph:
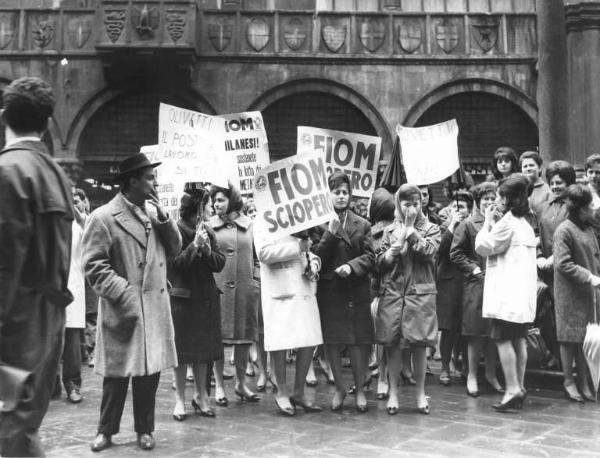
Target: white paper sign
point(356, 155)
point(291, 195)
point(429, 154)
point(169, 188)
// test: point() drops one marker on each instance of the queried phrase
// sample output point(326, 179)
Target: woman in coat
point(474, 328)
point(291, 316)
point(576, 282)
point(449, 285)
point(406, 314)
point(510, 288)
point(239, 284)
point(195, 302)
point(345, 247)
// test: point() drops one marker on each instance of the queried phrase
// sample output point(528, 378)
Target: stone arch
point(333, 88)
point(510, 93)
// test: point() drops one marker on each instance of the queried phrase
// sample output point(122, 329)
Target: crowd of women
point(504, 256)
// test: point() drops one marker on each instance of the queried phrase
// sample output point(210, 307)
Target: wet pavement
point(548, 425)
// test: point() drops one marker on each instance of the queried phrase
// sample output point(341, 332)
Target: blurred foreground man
point(126, 244)
point(36, 214)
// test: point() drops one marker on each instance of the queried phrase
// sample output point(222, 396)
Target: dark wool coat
point(576, 255)
point(449, 287)
point(344, 303)
point(195, 299)
point(127, 267)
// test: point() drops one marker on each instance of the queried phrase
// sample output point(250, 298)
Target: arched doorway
point(116, 130)
point(309, 108)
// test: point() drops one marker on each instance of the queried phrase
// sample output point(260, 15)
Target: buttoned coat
point(127, 268)
point(238, 280)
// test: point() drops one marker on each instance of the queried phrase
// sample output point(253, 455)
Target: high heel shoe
point(179, 416)
point(407, 379)
point(473, 394)
point(308, 407)
point(210, 413)
point(248, 398)
point(339, 406)
point(366, 386)
point(513, 402)
point(572, 397)
point(362, 408)
point(424, 410)
point(289, 411)
point(274, 387)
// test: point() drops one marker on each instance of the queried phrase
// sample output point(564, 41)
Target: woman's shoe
point(393, 410)
point(444, 379)
point(424, 410)
point(210, 413)
point(494, 389)
point(339, 406)
point(329, 379)
point(473, 394)
point(573, 397)
point(248, 398)
point(308, 407)
point(312, 383)
point(362, 408)
point(407, 379)
point(382, 396)
point(261, 388)
point(222, 402)
point(289, 411)
point(274, 388)
point(179, 416)
point(514, 402)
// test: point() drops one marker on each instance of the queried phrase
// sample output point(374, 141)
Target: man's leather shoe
point(145, 441)
point(73, 395)
point(101, 442)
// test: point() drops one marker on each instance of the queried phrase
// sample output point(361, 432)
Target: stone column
point(552, 80)
point(583, 50)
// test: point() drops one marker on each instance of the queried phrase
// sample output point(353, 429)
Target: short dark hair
point(508, 153)
point(464, 196)
point(563, 169)
point(236, 203)
point(28, 102)
point(191, 201)
point(80, 193)
point(592, 161)
point(578, 196)
point(382, 206)
point(124, 181)
point(336, 179)
point(480, 190)
point(515, 189)
point(531, 155)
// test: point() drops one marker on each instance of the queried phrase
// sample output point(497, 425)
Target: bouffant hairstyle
point(515, 188)
point(482, 189)
point(563, 169)
point(28, 102)
point(505, 152)
point(592, 161)
point(192, 202)
point(236, 203)
point(578, 196)
point(382, 206)
point(336, 179)
point(464, 196)
point(531, 155)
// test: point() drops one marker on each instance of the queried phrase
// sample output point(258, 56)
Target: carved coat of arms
point(220, 32)
point(258, 33)
point(42, 32)
point(372, 34)
point(7, 29)
point(144, 21)
point(447, 35)
point(485, 32)
point(334, 37)
point(175, 24)
point(79, 31)
point(410, 34)
point(295, 33)
point(114, 23)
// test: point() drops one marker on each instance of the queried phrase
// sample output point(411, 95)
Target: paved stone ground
point(458, 426)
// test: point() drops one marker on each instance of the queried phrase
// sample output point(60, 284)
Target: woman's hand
point(80, 216)
point(312, 273)
point(410, 217)
point(344, 270)
point(595, 281)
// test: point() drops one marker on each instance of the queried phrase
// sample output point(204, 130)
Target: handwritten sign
point(291, 195)
point(356, 155)
point(430, 154)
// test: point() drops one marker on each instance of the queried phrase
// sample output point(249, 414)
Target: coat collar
point(128, 221)
point(243, 222)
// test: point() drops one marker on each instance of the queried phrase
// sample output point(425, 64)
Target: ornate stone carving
point(79, 31)
point(258, 33)
point(220, 32)
point(7, 29)
point(144, 21)
point(334, 37)
point(485, 32)
point(295, 32)
point(447, 34)
point(410, 34)
point(176, 24)
point(114, 23)
point(372, 34)
point(42, 32)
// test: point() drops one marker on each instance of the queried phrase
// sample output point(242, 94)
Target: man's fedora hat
point(133, 163)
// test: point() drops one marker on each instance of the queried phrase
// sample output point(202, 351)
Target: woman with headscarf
point(239, 284)
point(345, 247)
point(406, 314)
point(195, 302)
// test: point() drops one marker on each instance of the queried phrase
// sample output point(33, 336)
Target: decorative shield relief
point(220, 32)
point(144, 21)
point(372, 34)
point(410, 34)
point(485, 32)
point(7, 29)
point(175, 24)
point(334, 36)
point(42, 32)
point(258, 33)
point(79, 31)
point(295, 33)
point(447, 35)
point(114, 23)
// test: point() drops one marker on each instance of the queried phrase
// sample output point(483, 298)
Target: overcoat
point(407, 310)
point(239, 280)
point(288, 297)
point(466, 259)
point(344, 303)
point(576, 256)
point(195, 299)
point(550, 217)
point(126, 264)
point(75, 313)
point(510, 287)
point(449, 287)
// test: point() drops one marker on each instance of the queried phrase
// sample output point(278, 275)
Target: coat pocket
point(419, 320)
point(122, 318)
point(388, 321)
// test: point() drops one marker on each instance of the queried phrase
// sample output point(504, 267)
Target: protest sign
point(429, 153)
point(291, 195)
point(169, 188)
point(191, 147)
point(245, 137)
point(356, 155)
